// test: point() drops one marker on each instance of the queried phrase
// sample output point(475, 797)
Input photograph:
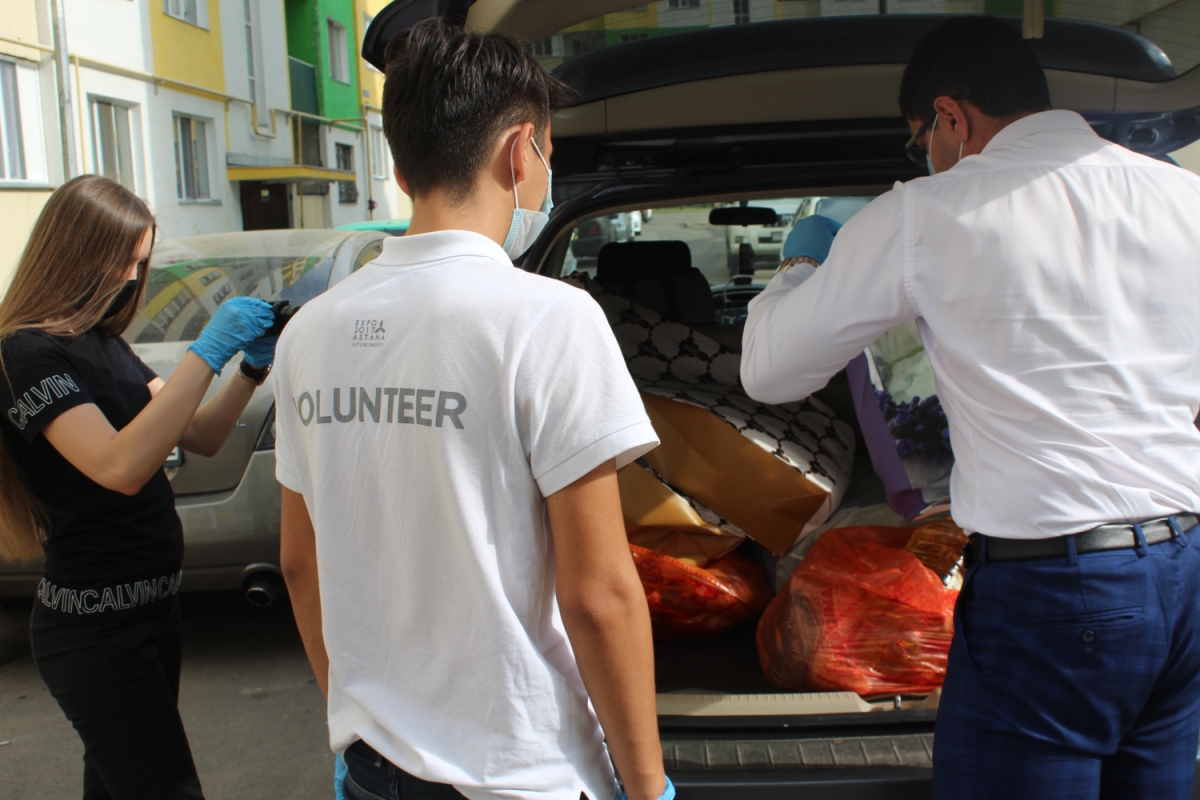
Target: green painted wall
point(301, 20)
point(308, 40)
point(338, 100)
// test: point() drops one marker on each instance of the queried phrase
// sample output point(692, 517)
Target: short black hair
point(448, 94)
point(982, 60)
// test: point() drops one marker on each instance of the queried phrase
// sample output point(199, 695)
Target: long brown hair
point(72, 267)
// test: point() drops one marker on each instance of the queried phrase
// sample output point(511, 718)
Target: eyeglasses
point(914, 151)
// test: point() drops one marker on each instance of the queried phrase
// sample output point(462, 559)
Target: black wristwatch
point(257, 375)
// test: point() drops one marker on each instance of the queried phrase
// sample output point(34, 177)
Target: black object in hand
point(283, 311)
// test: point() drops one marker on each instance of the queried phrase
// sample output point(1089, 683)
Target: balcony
point(304, 86)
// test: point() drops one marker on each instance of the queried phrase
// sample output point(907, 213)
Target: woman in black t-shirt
point(86, 429)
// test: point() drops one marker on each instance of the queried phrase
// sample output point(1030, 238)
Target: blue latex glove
point(261, 352)
point(812, 237)
point(668, 793)
point(237, 323)
point(339, 778)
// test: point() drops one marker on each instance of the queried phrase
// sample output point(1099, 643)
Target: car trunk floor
point(726, 664)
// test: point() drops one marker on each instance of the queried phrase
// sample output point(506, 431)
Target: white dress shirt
point(1055, 280)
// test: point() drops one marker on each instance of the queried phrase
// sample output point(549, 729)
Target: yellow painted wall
point(19, 210)
point(632, 19)
point(186, 52)
point(369, 81)
point(18, 20)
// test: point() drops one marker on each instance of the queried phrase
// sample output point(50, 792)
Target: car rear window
point(714, 249)
point(190, 277)
point(1170, 31)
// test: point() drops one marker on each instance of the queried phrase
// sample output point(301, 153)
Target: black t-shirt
point(96, 537)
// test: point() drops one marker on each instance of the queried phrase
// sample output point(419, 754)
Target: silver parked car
point(229, 504)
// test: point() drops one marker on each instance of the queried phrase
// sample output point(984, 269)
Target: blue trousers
point(1074, 678)
point(370, 776)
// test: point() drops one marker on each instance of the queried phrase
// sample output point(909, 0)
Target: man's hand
point(811, 238)
point(298, 560)
point(604, 610)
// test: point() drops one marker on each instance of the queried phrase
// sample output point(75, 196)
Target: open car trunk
point(725, 727)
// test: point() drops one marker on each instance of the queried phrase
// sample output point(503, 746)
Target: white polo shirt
point(426, 406)
point(1055, 283)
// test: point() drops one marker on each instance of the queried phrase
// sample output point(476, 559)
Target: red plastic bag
point(859, 614)
point(688, 602)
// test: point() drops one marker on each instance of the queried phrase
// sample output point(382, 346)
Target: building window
point(22, 149)
point(347, 190)
point(255, 81)
point(191, 158)
point(339, 65)
point(112, 141)
point(683, 3)
point(249, 24)
point(190, 11)
point(741, 12)
point(12, 166)
point(633, 37)
point(380, 155)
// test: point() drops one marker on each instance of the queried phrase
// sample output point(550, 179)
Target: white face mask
point(526, 225)
point(928, 159)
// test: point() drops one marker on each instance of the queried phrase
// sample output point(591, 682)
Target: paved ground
point(253, 712)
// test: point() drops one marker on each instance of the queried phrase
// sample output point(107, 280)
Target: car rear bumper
point(849, 784)
point(886, 755)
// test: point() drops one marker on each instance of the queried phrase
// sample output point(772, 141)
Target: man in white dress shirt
point(1055, 281)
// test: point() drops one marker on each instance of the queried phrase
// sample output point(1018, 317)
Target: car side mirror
point(742, 215)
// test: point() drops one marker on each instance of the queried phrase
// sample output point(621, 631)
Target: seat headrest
point(619, 262)
point(658, 275)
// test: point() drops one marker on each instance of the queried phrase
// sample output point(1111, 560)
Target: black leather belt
point(1116, 536)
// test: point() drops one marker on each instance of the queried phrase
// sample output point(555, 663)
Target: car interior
point(688, 282)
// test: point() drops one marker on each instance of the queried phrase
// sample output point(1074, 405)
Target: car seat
point(660, 276)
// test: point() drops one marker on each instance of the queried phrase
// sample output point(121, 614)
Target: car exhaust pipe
point(262, 588)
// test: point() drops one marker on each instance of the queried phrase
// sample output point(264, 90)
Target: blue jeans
point(372, 777)
point(1074, 678)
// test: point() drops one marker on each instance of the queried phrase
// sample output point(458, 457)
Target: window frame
point(21, 117)
point(200, 153)
point(339, 58)
point(248, 27)
point(122, 153)
point(347, 190)
point(381, 154)
point(178, 9)
point(741, 12)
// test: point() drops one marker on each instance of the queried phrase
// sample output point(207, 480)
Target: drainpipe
point(58, 24)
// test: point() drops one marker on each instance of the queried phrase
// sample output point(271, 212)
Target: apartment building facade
point(194, 105)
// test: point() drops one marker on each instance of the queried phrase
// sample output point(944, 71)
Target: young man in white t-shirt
point(449, 429)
